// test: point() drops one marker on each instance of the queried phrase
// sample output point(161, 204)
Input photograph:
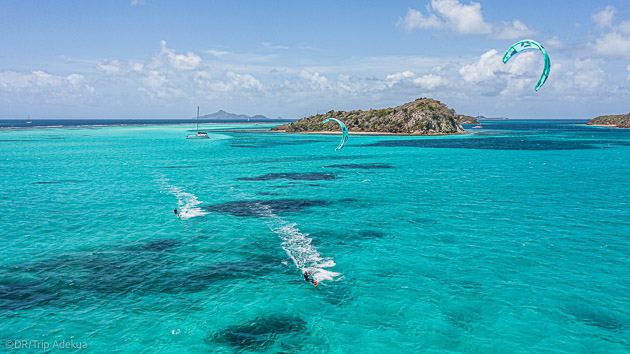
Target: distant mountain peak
point(223, 115)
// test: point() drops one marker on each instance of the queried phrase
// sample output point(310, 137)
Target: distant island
point(223, 116)
point(618, 121)
point(463, 119)
point(423, 116)
point(498, 118)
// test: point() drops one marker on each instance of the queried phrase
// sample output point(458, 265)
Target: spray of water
point(186, 202)
point(298, 246)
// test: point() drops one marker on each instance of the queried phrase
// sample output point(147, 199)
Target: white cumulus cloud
point(613, 44)
point(353, 85)
point(515, 29)
point(464, 19)
point(315, 79)
point(554, 43)
point(428, 81)
point(189, 61)
point(588, 75)
point(233, 82)
point(109, 67)
point(605, 17)
point(158, 86)
point(416, 20)
point(202, 79)
point(484, 69)
point(393, 79)
point(491, 63)
point(245, 81)
point(47, 87)
point(137, 67)
point(517, 76)
point(218, 53)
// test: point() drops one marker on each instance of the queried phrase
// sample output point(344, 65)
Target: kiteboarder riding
point(176, 212)
point(308, 277)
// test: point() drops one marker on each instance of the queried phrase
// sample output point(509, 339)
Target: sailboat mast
point(197, 118)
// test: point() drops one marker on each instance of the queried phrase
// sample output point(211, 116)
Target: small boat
point(199, 135)
point(477, 126)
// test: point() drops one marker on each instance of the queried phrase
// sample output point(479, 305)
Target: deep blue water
point(32, 123)
point(513, 238)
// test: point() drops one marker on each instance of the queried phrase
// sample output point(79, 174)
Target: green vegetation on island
point(618, 120)
point(423, 116)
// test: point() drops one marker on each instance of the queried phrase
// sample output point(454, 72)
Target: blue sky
point(290, 59)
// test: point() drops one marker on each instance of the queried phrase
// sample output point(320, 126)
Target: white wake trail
point(298, 246)
point(186, 202)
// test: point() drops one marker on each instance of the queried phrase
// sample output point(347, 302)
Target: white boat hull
point(198, 136)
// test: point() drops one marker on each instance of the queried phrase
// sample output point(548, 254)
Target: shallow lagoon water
point(513, 238)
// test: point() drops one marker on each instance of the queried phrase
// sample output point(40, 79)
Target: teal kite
point(344, 131)
point(529, 44)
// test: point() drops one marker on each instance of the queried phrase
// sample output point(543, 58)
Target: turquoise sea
point(510, 239)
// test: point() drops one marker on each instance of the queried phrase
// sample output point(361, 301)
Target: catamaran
point(199, 135)
point(478, 126)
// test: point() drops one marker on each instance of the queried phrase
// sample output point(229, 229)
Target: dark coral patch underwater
point(312, 176)
point(157, 245)
point(596, 316)
point(263, 208)
point(496, 143)
point(259, 333)
point(78, 279)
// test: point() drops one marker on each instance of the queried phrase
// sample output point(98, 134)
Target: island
point(618, 121)
point(223, 116)
point(423, 116)
point(464, 119)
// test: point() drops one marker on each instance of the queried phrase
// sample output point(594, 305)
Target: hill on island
point(423, 116)
point(223, 115)
point(619, 120)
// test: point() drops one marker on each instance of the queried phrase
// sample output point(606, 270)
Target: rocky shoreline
point(617, 121)
point(328, 132)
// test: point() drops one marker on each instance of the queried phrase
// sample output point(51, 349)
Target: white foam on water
point(304, 255)
point(298, 246)
point(186, 202)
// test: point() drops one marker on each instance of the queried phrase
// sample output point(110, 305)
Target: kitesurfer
point(308, 277)
point(176, 212)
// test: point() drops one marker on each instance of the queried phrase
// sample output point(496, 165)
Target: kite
point(529, 44)
point(344, 131)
